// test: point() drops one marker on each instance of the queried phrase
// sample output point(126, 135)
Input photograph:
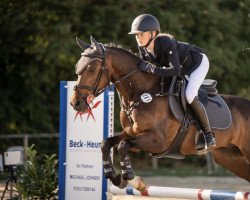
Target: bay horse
point(150, 126)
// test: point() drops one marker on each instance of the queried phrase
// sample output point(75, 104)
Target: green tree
point(34, 57)
point(38, 48)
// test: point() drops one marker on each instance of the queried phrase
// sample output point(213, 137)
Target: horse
point(149, 125)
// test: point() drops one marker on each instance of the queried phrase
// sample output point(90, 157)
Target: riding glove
point(160, 71)
point(147, 67)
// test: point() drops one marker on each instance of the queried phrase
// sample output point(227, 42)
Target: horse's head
point(92, 74)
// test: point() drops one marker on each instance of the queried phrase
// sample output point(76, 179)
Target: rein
point(126, 76)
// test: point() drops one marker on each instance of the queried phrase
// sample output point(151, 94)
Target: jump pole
point(182, 193)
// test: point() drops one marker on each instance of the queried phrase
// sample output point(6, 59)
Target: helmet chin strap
point(150, 40)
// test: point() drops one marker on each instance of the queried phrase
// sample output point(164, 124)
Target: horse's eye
point(91, 68)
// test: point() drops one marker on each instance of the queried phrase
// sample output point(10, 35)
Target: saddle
point(217, 110)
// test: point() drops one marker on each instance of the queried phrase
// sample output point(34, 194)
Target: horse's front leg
point(127, 171)
point(146, 141)
point(109, 170)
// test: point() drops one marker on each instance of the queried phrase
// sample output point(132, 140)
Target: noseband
point(94, 89)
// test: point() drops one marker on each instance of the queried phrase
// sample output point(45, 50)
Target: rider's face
point(143, 38)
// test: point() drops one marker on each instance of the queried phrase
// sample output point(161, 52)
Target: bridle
point(103, 71)
point(94, 88)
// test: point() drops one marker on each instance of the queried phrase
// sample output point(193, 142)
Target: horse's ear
point(81, 44)
point(97, 47)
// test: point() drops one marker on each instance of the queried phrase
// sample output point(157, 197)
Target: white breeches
point(196, 78)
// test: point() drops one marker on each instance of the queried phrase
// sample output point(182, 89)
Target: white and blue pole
point(80, 158)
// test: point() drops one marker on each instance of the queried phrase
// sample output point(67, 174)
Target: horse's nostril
point(77, 103)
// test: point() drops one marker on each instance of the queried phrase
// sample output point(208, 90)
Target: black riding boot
point(208, 141)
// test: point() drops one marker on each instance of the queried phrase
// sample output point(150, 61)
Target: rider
point(174, 58)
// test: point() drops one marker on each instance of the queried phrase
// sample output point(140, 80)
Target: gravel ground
point(7, 193)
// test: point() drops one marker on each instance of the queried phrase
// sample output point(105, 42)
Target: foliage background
point(38, 49)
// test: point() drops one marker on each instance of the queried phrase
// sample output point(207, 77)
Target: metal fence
point(26, 137)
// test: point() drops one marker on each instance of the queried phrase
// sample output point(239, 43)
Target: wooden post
point(25, 141)
point(155, 163)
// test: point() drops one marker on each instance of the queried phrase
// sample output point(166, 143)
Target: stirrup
point(201, 143)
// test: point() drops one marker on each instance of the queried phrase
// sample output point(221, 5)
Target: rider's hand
point(147, 67)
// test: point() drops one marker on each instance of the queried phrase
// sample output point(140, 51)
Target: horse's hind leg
point(243, 145)
point(233, 160)
point(246, 151)
point(109, 171)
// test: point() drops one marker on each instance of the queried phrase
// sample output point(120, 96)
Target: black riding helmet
point(143, 23)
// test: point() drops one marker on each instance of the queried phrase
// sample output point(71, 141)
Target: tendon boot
point(207, 141)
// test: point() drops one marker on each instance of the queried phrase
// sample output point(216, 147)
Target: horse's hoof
point(138, 183)
point(117, 180)
point(123, 184)
point(129, 175)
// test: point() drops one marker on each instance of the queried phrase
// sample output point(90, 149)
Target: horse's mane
point(122, 50)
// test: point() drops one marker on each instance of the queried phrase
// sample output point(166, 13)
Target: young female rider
point(175, 58)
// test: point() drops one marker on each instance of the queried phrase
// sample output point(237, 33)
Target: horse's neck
point(136, 83)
